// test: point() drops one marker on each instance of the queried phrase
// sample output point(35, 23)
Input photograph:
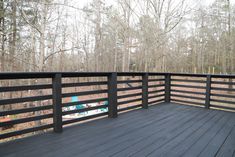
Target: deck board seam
point(217, 118)
point(195, 112)
point(101, 130)
point(160, 130)
point(201, 118)
point(199, 127)
point(125, 122)
point(153, 122)
point(223, 115)
point(208, 142)
point(157, 125)
point(230, 132)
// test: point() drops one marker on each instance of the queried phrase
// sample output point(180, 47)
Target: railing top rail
point(25, 75)
point(204, 75)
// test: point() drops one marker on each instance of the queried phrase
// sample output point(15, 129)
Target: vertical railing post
point(145, 91)
point(112, 95)
point(208, 91)
point(57, 103)
point(167, 87)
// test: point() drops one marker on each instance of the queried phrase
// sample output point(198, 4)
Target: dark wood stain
point(166, 129)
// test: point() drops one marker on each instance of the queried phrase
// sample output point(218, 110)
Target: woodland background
point(117, 35)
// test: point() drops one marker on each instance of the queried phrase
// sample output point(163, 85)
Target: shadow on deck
point(162, 130)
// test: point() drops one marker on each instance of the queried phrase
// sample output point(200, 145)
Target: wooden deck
point(162, 130)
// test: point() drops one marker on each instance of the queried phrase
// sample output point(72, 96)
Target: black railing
point(121, 91)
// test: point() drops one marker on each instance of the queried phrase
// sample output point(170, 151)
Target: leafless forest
point(118, 35)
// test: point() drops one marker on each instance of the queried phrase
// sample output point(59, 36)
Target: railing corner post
point(57, 103)
point(112, 95)
point(145, 91)
point(208, 91)
point(167, 87)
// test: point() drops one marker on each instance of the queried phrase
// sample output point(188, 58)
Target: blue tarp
point(81, 106)
point(106, 108)
point(75, 99)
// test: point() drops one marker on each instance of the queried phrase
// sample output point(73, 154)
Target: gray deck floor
point(162, 130)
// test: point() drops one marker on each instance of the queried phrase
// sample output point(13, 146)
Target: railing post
point(167, 88)
point(208, 91)
point(112, 95)
point(57, 103)
point(145, 91)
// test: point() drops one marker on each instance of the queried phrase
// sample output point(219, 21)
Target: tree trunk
point(2, 34)
point(13, 37)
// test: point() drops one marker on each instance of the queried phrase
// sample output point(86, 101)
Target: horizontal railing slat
point(24, 99)
point(224, 101)
point(84, 93)
point(84, 102)
point(156, 96)
point(85, 74)
point(129, 95)
point(222, 107)
point(25, 75)
point(84, 84)
point(157, 74)
point(129, 101)
point(25, 120)
point(188, 74)
point(129, 81)
point(129, 88)
point(155, 101)
point(25, 131)
point(84, 109)
point(154, 86)
point(25, 87)
point(25, 110)
point(130, 73)
point(185, 96)
point(85, 118)
point(129, 108)
point(188, 92)
point(188, 102)
point(223, 89)
point(188, 86)
point(224, 83)
point(156, 91)
point(14, 75)
point(155, 80)
point(191, 81)
point(223, 95)
point(223, 76)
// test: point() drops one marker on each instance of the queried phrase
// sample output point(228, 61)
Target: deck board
point(203, 141)
point(137, 136)
point(150, 142)
point(178, 139)
point(228, 147)
point(163, 130)
point(185, 142)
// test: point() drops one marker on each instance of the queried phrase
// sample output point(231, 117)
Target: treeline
point(121, 35)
